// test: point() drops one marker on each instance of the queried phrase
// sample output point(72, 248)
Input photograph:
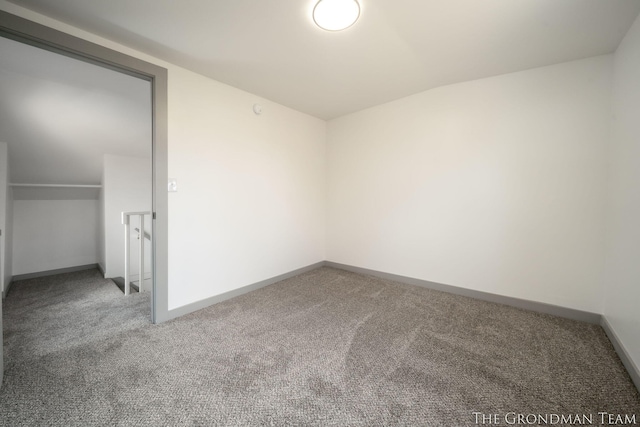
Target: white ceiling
point(398, 47)
point(59, 116)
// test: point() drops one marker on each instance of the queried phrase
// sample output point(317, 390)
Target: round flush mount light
point(336, 15)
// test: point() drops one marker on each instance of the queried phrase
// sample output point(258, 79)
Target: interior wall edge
point(621, 350)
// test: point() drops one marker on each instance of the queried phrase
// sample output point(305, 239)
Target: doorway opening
point(24, 31)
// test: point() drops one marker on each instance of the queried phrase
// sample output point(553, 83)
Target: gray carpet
point(328, 347)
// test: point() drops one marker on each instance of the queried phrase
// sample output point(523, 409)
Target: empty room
point(320, 212)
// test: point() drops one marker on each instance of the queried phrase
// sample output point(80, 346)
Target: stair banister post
point(127, 284)
point(141, 253)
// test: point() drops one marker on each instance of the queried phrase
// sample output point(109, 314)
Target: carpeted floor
point(328, 347)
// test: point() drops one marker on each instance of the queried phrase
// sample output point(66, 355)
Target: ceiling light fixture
point(336, 15)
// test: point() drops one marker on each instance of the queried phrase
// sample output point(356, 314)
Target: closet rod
point(56, 185)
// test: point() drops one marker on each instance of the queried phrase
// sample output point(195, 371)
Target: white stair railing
point(126, 220)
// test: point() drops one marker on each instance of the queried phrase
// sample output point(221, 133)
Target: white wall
point(126, 187)
point(495, 185)
point(251, 197)
point(53, 234)
point(622, 272)
point(250, 200)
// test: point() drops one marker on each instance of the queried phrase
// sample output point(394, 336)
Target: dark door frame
point(25, 31)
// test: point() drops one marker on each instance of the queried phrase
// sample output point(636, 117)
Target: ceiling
point(398, 47)
point(59, 116)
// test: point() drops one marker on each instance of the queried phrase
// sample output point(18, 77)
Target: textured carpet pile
point(327, 347)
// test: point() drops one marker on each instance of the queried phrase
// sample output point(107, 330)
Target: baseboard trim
point(627, 361)
point(199, 305)
point(101, 269)
point(6, 289)
point(54, 272)
point(569, 313)
point(585, 316)
point(540, 307)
